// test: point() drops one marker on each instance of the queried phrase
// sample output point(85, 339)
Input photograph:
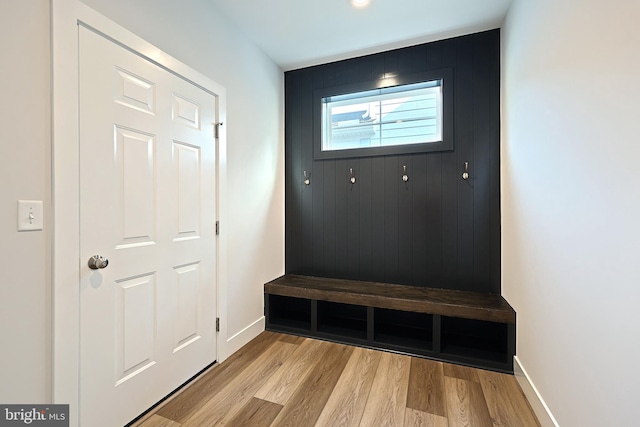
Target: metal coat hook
point(353, 178)
point(307, 181)
point(465, 174)
point(405, 177)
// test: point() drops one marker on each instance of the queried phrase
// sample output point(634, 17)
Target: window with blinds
point(393, 116)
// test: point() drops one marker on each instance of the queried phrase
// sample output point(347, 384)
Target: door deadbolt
point(98, 261)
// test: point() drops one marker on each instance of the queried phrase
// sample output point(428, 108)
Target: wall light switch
point(30, 215)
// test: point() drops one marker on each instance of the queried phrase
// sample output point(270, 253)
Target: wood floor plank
point(349, 397)
point(466, 406)
point(388, 397)
point(292, 339)
point(158, 421)
point(413, 418)
point(305, 406)
point(460, 372)
point(183, 406)
point(256, 413)
point(223, 406)
point(426, 387)
point(282, 384)
point(506, 402)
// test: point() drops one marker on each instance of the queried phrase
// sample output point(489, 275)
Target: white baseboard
point(240, 339)
point(533, 396)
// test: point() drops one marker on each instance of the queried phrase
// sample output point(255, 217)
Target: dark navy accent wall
point(435, 230)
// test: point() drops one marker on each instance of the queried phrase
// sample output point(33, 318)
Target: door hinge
point(216, 126)
point(217, 228)
point(217, 324)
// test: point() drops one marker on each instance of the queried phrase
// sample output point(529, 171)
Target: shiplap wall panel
point(463, 106)
point(365, 227)
point(484, 132)
point(435, 230)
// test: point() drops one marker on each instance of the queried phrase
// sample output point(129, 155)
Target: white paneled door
point(148, 205)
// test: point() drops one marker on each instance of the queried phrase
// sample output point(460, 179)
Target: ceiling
point(300, 33)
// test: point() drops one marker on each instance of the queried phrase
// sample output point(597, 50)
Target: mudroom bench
point(473, 329)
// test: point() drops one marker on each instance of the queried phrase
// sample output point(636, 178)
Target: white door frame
point(65, 15)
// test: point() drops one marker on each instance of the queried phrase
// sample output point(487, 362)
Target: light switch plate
point(30, 215)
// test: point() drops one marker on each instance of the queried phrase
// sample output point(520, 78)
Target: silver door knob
point(98, 261)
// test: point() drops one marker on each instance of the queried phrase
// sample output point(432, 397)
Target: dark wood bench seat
point(468, 305)
point(468, 328)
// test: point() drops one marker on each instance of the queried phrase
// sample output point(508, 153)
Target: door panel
point(187, 166)
point(148, 204)
point(136, 187)
point(186, 291)
point(135, 314)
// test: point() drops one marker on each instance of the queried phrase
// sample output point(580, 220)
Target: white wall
point(194, 33)
point(24, 174)
point(571, 203)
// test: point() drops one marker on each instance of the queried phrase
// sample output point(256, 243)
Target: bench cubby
point(342, 320)
point(474, 339)
point(290, 313)
point(404, 330)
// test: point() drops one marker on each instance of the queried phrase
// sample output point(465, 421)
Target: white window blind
point(399, 115)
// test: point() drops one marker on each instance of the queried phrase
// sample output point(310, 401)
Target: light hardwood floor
point(282, 380)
